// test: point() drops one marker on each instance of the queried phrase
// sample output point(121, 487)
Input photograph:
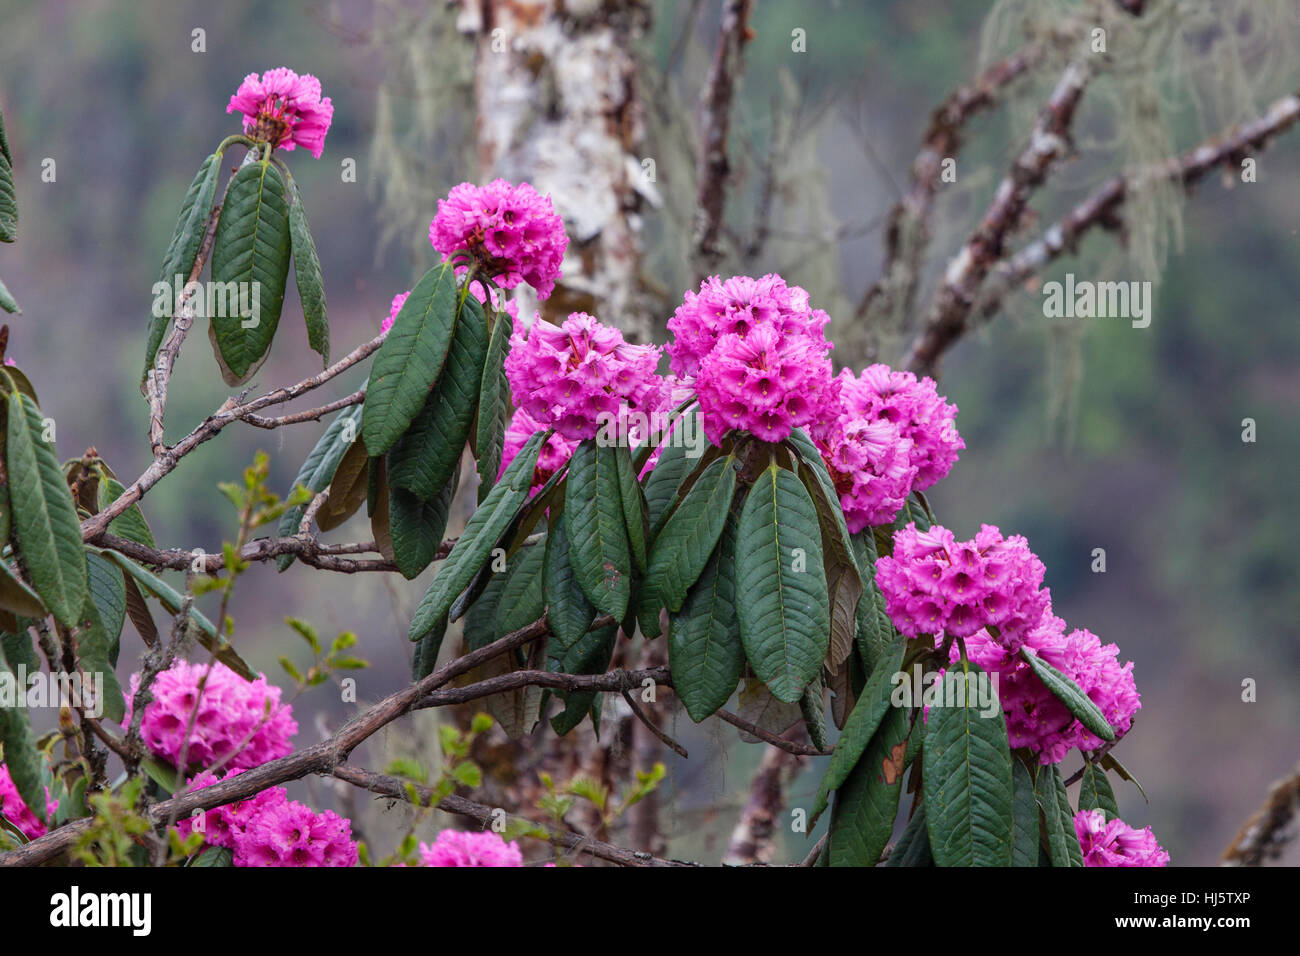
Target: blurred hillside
point(1145, 458)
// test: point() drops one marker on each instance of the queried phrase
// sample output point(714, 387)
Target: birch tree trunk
point(558, 105)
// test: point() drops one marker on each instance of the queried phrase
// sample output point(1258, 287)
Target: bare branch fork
point(231, 410)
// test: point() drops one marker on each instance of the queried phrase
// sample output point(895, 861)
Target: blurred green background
point(1145, 461)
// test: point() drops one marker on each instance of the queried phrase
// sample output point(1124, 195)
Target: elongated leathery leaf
point(205, 631)
point(250, 265)
point(417, 526)
point(968, 786)
point(568, 612)
point(44, 520)
point(598, 546)
point(307, 276)
point(1095, 791)
point(1058, 822)
point(873, 703)
point(493, 406)
point(784, 621)
point(866, 803)
point(705, 652)
point(1070, 694)
point(20, 754)
point(317, 470)
point(410, 360)
point(182, 250)
point(1024, 816)
point(475, 545)
point(683, 546)
point(423, 458)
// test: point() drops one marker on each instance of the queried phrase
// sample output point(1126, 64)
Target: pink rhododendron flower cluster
point(289, 833)
point(1115, 843)
point(870, 463)
point(284, 109)
point(1036, 718)
point(513, 232)
point(935, 584)
point(576, 376)
point(17, 812)
point(398, 301)
point(230, 710)
point(269, 829)
point(465, 848)
point(918, 410)
point(737, 306)
point(555, 453)
point(767, 383)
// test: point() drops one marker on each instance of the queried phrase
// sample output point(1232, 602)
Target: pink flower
point(293, 834)
point(513, 232)
point(555, 453)
point(934, 584)
point(869, 461)
point(284, 109)
point(398, 302)
point(575, 377)
point(224, 825)
point(465, 848)
point(736, 307)
point(1036, 718)
point(766, 383)
point(1115, 843)
point(916, 408)
point(17, 812)
point(238, 722)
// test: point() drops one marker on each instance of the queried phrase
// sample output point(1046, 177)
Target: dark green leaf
point(688, 538)
point(913, 847)
point(170, 599)
point(1069, 693)
point(523, 597)
point(306, 273)
point(1024, 817)
point(131, 523)
point(424, 457)
point(493, 405)
point(634, 510)
point(426, 650)
point(967, 768)
point(410, 360)
point(417, 526)
point(252, 250)
point(591, 655)
point(318, 469)
point(1062, 842)
point(704, 647)
point(866, 803)
point(481, 535)
point(873, 703)
point(674, 464)
point(108, 592)
point(17, 597)
point(183, 249)
point(598, 547)
point(20, 754)
point(1095, 792)
point(568, 612)
point(44, 521)
point(7, 301)
point(784, 621)
point(94, 650)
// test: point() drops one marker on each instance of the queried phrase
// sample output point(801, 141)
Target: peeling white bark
point(557, 105)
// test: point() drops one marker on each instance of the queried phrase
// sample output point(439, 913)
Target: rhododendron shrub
point(726, 492)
